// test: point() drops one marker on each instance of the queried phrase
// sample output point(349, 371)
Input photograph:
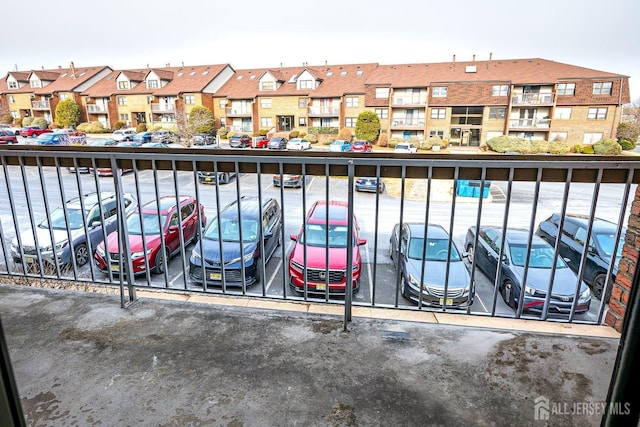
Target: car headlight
point(529, 290)
point(100, 251)
point(140, 254)
point(196, 255)
point(414, 280)
point(534, 292)
point(248, 257)
point(58, 246)
point(356, 267)
point(586, 293)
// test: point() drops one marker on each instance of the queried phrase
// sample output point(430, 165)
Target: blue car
point(142, 137)
point(52, 138)
point(340, 145)
point(259, 225)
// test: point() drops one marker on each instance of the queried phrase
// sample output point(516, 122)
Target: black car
point(256, 224)
point(240, 141)
point(370, 184)
point(410, 254)
point(512, 268)
point(599, 252)
point(205, 139)
point(277, 143)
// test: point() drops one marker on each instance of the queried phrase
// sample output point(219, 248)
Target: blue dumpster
point(471, 188)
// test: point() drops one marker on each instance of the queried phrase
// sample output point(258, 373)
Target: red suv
point(323, 235)
point(33, 131)
point(151, 224)
point(362, 146)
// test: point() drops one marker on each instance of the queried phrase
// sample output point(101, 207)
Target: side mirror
point(173, 228)
point(268, 235)
point(293, 237)
point(95, 223)
point(505, 260)
point(362, 242)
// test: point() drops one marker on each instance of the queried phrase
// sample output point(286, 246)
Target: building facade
point(465, 103)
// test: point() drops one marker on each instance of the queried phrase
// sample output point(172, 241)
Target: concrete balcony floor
point(173, 359)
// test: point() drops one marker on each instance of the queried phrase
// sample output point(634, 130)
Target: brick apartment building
point(466, 103)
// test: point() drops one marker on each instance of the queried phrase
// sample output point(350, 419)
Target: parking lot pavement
point(79, 359)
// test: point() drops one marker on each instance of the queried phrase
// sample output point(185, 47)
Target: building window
point(64, 96)
point(302, 121)
point(13, 85)
point(35, 83)
point(562, 113)
point(153, 84)
point(500, 90)
point(602, 88)
point(382, 92)
point(439, 92)
point(497, 113)
point(303, 102)
point(558, 136)
point(305, 84)
point(265, 102)
point(352, 101)
point(591, 138)
point(566, 89)
point(266, 122)
point(223, 103)
point(268, 85)
point(438, 133)
point(124, 118)
point(189, 99)
point(438, 113)
point(122, 100)
point(223, 122)
point(350, 122)
point(597, 113)
point(12, 100)
point(124, 84)
point(382, 113)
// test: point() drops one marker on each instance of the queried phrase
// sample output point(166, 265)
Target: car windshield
point(316, 235)
point(230, 228)
point(436, 250)
point(149, 223)
point(539, 257)
point(58, 222)
point(606, 242)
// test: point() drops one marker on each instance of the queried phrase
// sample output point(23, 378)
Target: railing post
point(348, 286)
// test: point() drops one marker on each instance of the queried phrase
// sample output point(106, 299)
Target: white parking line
point(284, 265)
point(481, 303)
point(366, 251)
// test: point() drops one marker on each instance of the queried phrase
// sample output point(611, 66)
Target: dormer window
point(343, 73)
point(12, 85)
point(306, 84)
point(329, 73)
point(153, 84)
point(35, 83)
point(123, 84)
point(359, 73)
point(268, 85)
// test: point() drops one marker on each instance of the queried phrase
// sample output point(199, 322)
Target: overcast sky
point(258, 34)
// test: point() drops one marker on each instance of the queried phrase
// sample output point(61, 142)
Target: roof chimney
point(490, 55)
point(73, 70)
point(474, 57)
point(454, 57)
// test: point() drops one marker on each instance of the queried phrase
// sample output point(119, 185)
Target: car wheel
point(404, 289)
point(598, 286)
point(82, 254)
point(258, 267)
point(470, 252)
point(507, 293)
point(161, 262)
point(224, 179)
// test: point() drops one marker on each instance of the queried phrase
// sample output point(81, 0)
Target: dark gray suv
point(599, 251)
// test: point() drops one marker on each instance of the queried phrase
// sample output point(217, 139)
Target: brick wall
point(626, 268)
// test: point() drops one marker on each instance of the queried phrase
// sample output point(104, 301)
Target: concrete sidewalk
point(79, 359)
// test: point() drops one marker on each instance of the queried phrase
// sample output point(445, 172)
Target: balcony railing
point(532, 99)
point(96, 108)
point(163, 108)
point(237, 112)
point(40, 105)
point(457, 194)
point(529, 123)
point(398, 123)
point(324, 112)
point(408, 102)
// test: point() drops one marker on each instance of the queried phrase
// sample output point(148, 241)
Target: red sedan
point(260, 142)
point(8, 137)
point(33, 131)
point(148, 227)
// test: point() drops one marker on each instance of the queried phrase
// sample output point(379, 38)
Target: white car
point(124, 134)
point(405, 147)
point(298, 144)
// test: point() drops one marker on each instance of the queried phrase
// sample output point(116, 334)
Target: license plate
point(215, 276)
point(207, 179)
point(321, 286)
point(115, 267)
point(29, 259)
point(449, 301)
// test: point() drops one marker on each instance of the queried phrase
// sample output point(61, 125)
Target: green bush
point(312, 138)
point(40, 121)
point(433, 141)
point(142, 127)
point(559, 147)
point(394, 141)
point(222, 133)
point(293, 134)
point(583, 149)
point(92, 127)
point(17, 122)
point(540, 146)
point(626, 144)
point(262, 132)
point(118, 125)
point(6, 119)
point(324, 130)
point(328, 141)
point(27, 121)
point(607, 147)
point(302, 134)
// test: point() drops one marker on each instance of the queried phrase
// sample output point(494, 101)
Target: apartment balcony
point(324, 112)
point(40, 105)
point(407, 124)
point(408, 102)
point(96, 109)
point(529, 124)
point(538, 99)
point(163, 108)
point(231, 112)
